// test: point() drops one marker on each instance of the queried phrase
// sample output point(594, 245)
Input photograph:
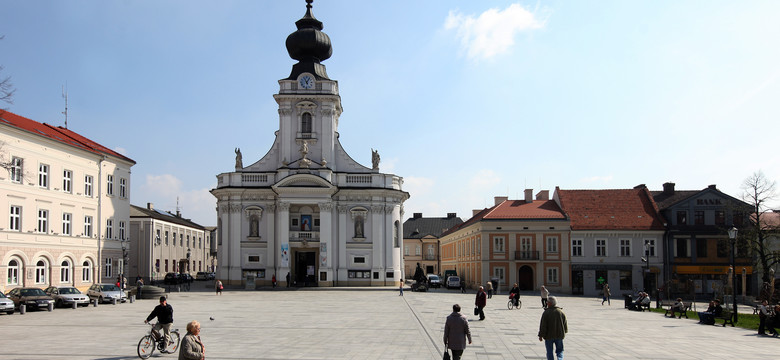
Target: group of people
point(642, 300)
point(552, 327)
point(191, 347)
point(768, 319)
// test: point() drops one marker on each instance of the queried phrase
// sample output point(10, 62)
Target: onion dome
point(309, 45)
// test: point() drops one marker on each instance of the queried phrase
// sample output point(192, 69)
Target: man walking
point(164, 315)
point(553, 328)
point(481, 302)
point(456, 330)
point(489, 289)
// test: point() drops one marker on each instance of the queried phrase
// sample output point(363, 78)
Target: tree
point(759, 191)
point(6, 88)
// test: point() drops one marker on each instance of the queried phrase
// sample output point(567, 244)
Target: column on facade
point(270, 241)
point(285, 127)
point(342, 240)
point(283, 242)
point(378, 242)
point(391, 262)
point(326, 239)
point(328, 113)
point(234, 253)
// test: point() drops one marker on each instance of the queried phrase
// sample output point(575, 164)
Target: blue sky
point(466, 100)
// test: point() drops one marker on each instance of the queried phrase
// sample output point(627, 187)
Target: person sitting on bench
point(708, 317)
point(678, 306)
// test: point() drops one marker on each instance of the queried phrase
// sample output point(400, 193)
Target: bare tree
point(6, 88)
point(759, 191)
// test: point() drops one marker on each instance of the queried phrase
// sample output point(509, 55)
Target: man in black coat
point(164, 315)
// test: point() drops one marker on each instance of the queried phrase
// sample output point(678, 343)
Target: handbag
point(476, 310)
point(446, 354)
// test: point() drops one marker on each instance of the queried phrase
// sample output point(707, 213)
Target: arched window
point(13, 272)
point(86, 271)
point(65, 272)
point(306, 123)
point(40, 272)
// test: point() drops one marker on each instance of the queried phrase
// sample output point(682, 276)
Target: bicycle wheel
point(145, 347)
point(174, 345)
point(519, 304)
point(509, 304)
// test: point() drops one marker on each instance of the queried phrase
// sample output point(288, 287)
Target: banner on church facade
point(323, 254)
point(285, 255)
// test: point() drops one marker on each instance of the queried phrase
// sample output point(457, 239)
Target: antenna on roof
point(65, 96)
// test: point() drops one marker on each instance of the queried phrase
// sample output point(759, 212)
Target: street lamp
point(733, 236)
point(124, 262)
point(646, 260)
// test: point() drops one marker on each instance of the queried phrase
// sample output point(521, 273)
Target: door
point(525, 278)
point(577, 282)
point(305, 268)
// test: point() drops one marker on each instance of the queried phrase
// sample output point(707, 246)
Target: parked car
point(106, 292)
point(434, 281)
point(453, 282)
point(211, 276)
point(202, 275)
point(172, 279)
point(6, 305)
point(31, 297)
point(185, 277)
point(66, 296)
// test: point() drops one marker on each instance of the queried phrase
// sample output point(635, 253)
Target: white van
point(453, 282)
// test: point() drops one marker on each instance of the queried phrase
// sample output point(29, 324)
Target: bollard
point(94, 302)
point(113, 301)
point(50, 307)
point(74, 305)
point(132, 298)
point(22, 309)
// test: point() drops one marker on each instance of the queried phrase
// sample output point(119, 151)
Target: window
point(431, 252)
point(720, 218)
point(552, 244)
point(625, 247)
point(681, 249)
point(65, 272)
point(121, 230)
point(682, 218)
point(110, 184)
point(576, 247)
point(16, 170)
point(601, 247)
point(88, 226)
point(406, 250)
point(181, 240)
point(109, 267)
point(526, 244)
point(188, 241)
point(251, 258)
point(174, 239)
point(306, 123)
point(698, 217)
point(200, 242)
point(738, 218)
point(109, 229)
point(67, 181)
point(88, 185)
point(723, 248)
point(166, 239)
point(86, 271)
point(43, 221)
point(123, 188)
point(66, 220)
point(498, 244)
point(166, 265)
point(649, 247)
point(499, 273)
point(40, 272)
point(13, 272)
point(701, 248)
point(43, 176)
point(15, 218)
point(552, 275)
point(417, 250)
point(359, 260)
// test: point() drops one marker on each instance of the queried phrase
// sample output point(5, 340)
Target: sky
point(466, 100)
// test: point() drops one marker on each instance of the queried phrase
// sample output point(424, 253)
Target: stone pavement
point(369, 323)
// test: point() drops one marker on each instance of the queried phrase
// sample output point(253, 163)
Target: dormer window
point(306, 123)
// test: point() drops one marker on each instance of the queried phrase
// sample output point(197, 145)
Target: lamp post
point(733, 237)
point(646, 270)
point(123, 264)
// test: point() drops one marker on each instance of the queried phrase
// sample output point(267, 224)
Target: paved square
point(370, 323)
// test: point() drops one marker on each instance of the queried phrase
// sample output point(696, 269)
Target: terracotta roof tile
point(622, 209)
point(519, 209)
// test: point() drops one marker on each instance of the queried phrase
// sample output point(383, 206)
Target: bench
point(687, 305)
point(727, 318)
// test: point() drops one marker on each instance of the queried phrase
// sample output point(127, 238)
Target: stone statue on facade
point(375, 159)
point(239, 159)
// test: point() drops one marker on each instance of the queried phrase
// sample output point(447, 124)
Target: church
point(306, 213)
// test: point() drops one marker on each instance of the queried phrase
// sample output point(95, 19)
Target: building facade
point(163, 242)
point(422, 243)
point(65, 204)
point(616, 239)
point(306, 208)
point(515, 241)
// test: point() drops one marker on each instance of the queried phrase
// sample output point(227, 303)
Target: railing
point(250, 178)
point(305, 235)
point(358, 179)
point(526, 255)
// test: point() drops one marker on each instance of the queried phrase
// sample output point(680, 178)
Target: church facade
point(306, 213)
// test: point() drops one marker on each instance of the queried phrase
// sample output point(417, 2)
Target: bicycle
point(155, 339)
point(511, 303)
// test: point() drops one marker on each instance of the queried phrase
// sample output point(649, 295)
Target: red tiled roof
point(519, 209)
point(59, 134)
point(623, 209)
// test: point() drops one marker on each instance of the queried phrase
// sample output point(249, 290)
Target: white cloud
point(484, 179)
point(162, 184)
point(492, 32)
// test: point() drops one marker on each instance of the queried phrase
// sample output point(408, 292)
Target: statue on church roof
point(239, 159)
point(375, 159)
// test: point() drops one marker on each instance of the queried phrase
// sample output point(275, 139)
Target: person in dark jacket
point(514, 294)
point(164, 315)
point(481, 302)
point(553, 328)
point(456, 330)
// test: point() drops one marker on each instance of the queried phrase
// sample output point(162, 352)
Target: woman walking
point(606, 295)
point(218, 287)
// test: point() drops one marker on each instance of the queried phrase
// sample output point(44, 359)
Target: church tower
point(306, 210)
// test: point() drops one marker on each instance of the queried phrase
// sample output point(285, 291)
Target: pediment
point(303, 181)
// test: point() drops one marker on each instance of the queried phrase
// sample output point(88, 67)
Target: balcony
point(526, 255)
point(304, 235)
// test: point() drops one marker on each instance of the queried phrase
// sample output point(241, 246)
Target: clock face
point(307, 82)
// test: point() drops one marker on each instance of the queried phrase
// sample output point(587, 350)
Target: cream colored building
point(65, 210)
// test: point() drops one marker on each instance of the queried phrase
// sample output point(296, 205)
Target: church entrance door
point(305, 268)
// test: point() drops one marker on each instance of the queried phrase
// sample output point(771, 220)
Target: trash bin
point(627, 298)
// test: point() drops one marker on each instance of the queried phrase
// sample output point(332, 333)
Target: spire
point(309, 45)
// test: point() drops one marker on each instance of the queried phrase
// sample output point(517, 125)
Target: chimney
point(543, 195)
point(529, 195)
point(669, 188)
point(475, 212)
point(451, 215)
point(711, 187)
point(417, 215)
point(500, 199)
point(178, 213)
point(150, 206)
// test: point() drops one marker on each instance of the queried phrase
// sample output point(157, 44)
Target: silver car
point(66, 296)
point(6, 305)
point(106, 292)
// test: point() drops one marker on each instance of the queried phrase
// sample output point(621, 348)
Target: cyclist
point(515, 294)
point(164, 315)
